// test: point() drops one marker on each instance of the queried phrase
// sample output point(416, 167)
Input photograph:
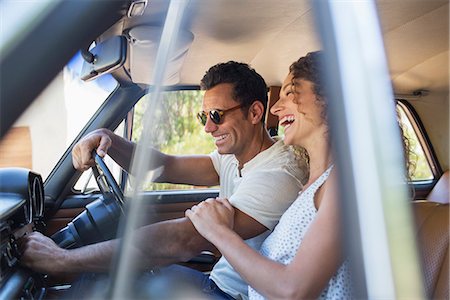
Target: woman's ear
point(256, 112)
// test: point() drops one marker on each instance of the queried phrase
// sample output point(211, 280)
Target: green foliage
point(178, 131)
point(420, 167)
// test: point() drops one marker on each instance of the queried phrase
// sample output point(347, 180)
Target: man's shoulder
point(279, 154)
point(281, 160)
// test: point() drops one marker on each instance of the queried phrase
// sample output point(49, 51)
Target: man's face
point(231, 135)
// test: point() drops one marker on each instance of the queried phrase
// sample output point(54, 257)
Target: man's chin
point(223, 150)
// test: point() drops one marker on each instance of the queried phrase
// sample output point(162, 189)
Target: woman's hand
point(211, 217)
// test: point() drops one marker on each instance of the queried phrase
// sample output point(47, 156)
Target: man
point(261, 178)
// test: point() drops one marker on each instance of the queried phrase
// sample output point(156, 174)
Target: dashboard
point(21, 210)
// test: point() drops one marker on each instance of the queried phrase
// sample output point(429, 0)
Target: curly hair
point(248, 85)
point(409, 155)
point(309, 68)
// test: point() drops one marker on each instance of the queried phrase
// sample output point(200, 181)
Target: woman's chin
point(288, 140)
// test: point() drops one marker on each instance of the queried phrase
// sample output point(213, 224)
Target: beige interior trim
point(15, 148)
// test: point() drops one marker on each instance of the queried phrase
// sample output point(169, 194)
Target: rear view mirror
point(105, 57)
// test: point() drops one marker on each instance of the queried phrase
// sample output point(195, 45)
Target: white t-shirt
point(269, 184)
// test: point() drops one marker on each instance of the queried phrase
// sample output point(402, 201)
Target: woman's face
point(298, 111)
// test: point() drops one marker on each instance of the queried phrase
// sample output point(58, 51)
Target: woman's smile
point(287, 120)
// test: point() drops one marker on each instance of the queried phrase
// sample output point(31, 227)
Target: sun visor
point(143, 49)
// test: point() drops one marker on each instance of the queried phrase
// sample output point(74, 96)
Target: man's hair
point(248, 85)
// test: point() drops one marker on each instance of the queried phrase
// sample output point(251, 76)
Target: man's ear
point(256, 112)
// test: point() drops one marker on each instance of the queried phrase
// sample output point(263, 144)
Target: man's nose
point(210, 126)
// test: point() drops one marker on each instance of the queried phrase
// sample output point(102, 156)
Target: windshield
point(44, 131)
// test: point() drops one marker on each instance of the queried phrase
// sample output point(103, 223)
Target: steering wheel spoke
point(98, 222)
point(105, 180)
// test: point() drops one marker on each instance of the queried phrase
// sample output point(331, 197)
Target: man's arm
point(186, 169)
point(189, 169)
point(157, 244)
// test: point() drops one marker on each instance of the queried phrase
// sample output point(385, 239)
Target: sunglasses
point(215, 115)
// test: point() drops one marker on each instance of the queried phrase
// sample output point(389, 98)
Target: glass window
point(180, 133)
point(54, 119)
point(419, 155)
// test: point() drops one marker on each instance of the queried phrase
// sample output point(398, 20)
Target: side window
point(420, 155)
point(180, 133)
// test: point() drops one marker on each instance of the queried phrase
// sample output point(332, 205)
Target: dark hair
point(248, 85)
point(409, 155)
point(309, 68)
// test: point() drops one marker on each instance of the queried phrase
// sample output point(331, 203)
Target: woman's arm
point(316, 261)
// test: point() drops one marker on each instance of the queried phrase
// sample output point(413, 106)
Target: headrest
point(440, 192)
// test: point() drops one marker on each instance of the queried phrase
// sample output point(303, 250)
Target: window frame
point(421, 187)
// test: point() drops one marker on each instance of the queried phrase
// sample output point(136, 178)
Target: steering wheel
point(99, 221)
point(105, 180)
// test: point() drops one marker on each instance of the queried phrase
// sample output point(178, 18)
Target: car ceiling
point(270, 35)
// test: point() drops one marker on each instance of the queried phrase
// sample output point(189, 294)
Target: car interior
point(125, 48)
point(432, 234)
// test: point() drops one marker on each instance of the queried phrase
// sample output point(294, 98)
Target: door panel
point(166, 205)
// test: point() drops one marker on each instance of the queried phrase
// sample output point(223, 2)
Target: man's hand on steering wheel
point(82, 158)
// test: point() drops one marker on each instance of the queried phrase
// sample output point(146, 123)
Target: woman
point(302, 258)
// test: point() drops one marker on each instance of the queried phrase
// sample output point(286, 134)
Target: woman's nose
point(276, 107)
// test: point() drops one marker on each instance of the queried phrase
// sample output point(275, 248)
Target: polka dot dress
point(282, 244)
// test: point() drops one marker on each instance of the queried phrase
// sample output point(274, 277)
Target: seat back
point(440, 191)
point(432, 220)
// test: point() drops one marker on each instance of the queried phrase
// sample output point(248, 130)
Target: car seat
point(432, 221)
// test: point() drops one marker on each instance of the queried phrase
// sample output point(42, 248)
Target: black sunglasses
point(215, 114)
